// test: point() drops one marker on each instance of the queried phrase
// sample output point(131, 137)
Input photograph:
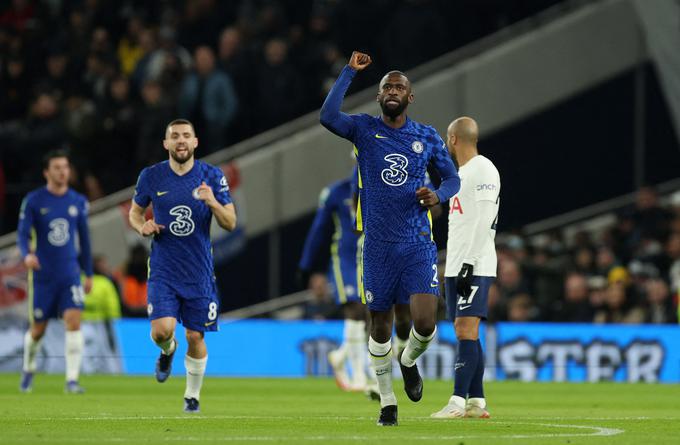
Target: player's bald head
point(465, 129)
point(395, 74)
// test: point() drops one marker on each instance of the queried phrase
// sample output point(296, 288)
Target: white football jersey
point(480, 181)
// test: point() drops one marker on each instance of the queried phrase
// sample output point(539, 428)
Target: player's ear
point(165, 144)
point(411, 98)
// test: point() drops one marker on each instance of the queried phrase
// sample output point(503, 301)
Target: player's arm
point(143, 226)
point(224, 213)
point(140, 202)
point(85, 256)
point(331, 117)
point(316, 238)
point(24, 235)
point(450, 181)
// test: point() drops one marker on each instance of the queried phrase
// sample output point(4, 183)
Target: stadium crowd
point(627, 273)
point(103, 77)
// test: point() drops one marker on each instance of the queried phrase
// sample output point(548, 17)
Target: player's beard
point(395, 111)
point(182, 159)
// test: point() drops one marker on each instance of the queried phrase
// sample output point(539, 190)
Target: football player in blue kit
point(399, 254)
point(185, 194)
point(49, 220)
point(333, 232)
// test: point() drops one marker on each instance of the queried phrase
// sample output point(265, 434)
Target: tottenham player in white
point(470, 265)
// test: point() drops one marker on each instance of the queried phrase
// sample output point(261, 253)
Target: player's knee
point(465, 329)
point(38, 332)
point(424, 325)
point(194, 337)
point(160, 335)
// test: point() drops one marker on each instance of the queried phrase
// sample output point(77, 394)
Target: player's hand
point(87, 285)
point(205, 194)
point(318, 284)
point(464, 280)
point(151, 228)
point(31, 262)
point(359, 61)
point(426, 197)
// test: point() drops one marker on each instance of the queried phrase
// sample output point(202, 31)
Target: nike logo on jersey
point(459, 365)
point(44, 211)
point(160, 193)
point(209, 324)
point(377, 136)
point(462, 308)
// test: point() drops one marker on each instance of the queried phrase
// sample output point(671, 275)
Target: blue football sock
point(477, 383)
point(465, 367)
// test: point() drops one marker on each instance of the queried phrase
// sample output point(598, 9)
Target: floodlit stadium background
point(578, 104)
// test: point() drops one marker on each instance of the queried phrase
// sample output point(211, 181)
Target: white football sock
point(74, 354)
point(399, 344)
point(416, 345)
point(356, 350)
point(381, 357)
point(476, 401)
point(31, 348)
point(195, 371)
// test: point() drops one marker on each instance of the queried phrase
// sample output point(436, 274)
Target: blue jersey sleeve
point(319, 232)
point(25, 226)
point(331, 117)
point(447, 170)
point(143, 189)
point(85, 257)
point(220, 186)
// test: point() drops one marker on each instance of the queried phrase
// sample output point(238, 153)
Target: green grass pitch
point(137, 410)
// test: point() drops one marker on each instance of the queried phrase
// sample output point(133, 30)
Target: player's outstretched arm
point(331, 117)
point(138, 222)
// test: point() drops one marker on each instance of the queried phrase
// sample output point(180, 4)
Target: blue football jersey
point(335, 214)
point(181, 254)
point(52, 222)
point(392, 166)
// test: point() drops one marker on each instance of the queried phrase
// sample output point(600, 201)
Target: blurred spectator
point(208, 100)
point(321, 307)
point(170, 55)
point(130, 49)
point(147, 45)
point(15, 89)
point(575, 305)
point(279, 89)
point(235, 59)
point(134, 283)
point(118, 114)
point(521, 308)
point(618, 307)
point(154, 115)
point(510, 280)
point(660, 307)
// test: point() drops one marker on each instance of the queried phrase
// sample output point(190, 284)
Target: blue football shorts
point(198, 313)
point(49, 299)
point(476, 305)
point(392, 272)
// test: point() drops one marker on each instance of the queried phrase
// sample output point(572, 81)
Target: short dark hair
point(181, 122)
point(53, 154)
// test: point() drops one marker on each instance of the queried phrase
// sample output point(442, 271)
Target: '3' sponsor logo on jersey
point(396, 174)
point(183, 225)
